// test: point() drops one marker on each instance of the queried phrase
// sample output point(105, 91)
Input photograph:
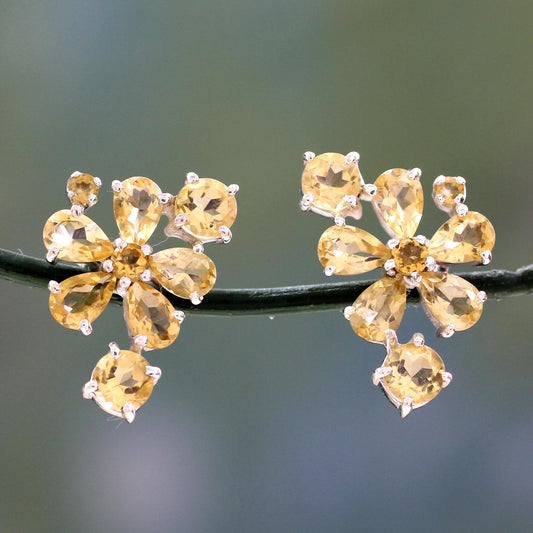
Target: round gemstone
point(82, 189)
point(207, 205)
point(130, 262)
point(329, 178)
point(446, 190)
point(410, 256)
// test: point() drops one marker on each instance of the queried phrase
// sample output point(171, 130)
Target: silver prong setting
point(191, 178)
point(146, 249)
point(339, 221)
point(195, 298)
point(418, 339)
point(119, 244)
point(77, 210)
point(380, 373)
point(481, 297)
point(390, 267)
point(232, 189)
point(225, 234)
point(116, 185)
point(146, 275)
point(123, 285)
point(180, 220)
point(307, 157)
point(108, 266)
point(407, 406)
point(446, 331)
point(97, 181)
point(415, 173)
point(306, 202)
point(154, 372)
point(52, 253)
point(352, 157)
point(447, 378)
point(486, 257)
point(128, 410)
point(412, 281)
point(461, 210)
point(179, 316)
point(165, 198)
point(85, 327)
point(198, 248)
point(89, 389)
point(348, 311)
point(114, 350)
point(75, 174)
point(329, 270)
point(54, 287)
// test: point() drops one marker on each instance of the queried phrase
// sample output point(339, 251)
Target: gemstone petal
point(378, 308)
point(182, 271)
point(351, 250)
point(78, 238)
point(148, 312)
point(462, 239)
point(81, 297)
point(137, 209)
point(399, 202)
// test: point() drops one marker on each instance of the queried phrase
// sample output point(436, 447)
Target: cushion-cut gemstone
point(446, 189)
point(410, 256)
point(130, 262)
point(82, 189)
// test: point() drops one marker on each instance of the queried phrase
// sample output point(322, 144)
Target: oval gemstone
point(207, 205)
point(329, 179)
point(378, 308)
point(182, 271)
point(82, 189)
point(78, 239)
point(122, 380)
point(81, 297)
point(462, 239)
point(137, 209)
point(130, 262)
point(399, 202)
point(416, 372)
point(450, 299)
point(351, 250)
point(148, 312)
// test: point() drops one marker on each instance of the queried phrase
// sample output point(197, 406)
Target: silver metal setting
point(140, 341)
point(390, 267)
point(439, 180)
point(119, 244)
point(165, 198)
point(460, 180)
point(232, 189)
point(85, 327)
point(339, 221)
point(418, 339)
point(306, 202)
point(54, 287)
point(308, 156)
point(75, 174)
point(422, 239)
point(128, 411)
point(108, 266)
point(77, 210)
point(407, 406)
point(415, 173)
point(446, 331)
point(329, 270)
point(486, 257)
point(116, 185)
point(447, 378)
point(114, 350)
point(369, 191)
point(461, 210)
point(52, 253)
point(179, 316)
point(198, 248)
point(481, 297)
point(191, 178)
point(89, 389)
point(351, 200)
point(380, 373)
point(154, 372)
point(352, 157)
point(348, 311)
point(393, 243)
point(225, 234)
point(391, 340)
point(70, 194)
point(431, 263)
point(180, 220)
point(195, 298)
point(123, 285)
point(97, 181)
point(412, 281)
point(92, 199)
point(146, 249)
point(146, 275)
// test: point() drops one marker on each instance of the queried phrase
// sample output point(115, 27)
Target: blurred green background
point(265, 425)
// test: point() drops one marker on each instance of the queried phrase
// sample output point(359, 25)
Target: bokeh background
point(265, 424)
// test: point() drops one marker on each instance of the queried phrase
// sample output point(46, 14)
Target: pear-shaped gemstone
point(399, 202)
point(183, 272)
point(462, 239)
point(81, 297)
point(378, 308)
point(351, 250)
point(137, 209)
point(77, 238)
point(149, 313)
point(450, 299)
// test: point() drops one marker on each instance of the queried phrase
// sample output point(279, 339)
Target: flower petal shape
point(137, 209)
point(81, 297)
point(378, 308)
point(351, 250)
point(182, 271)
point(78, 238)
point(148, 312)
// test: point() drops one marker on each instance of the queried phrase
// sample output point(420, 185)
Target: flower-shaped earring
point(203, 211)
point(409, 261)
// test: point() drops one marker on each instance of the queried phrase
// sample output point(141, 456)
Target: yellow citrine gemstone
point(410, 256)
point(78, 239)
point(81, 297)
point(137, 209)
point(148, 312)
point(82, 189)
point(183, 272)
point(462, 239)
point(450, 299)
point(130, 262)
point(399, 201)
point(378, 308)
point(446, 189)
point(351, 250)
point(416, 372)
point(329, 178)
point(122, 380)
point(207, 205)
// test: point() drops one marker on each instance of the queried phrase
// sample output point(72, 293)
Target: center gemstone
point(410, 256)
point(130, 262)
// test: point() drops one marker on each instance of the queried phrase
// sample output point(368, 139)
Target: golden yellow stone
point(82, 297)
point(351, 250)
point(446, 191)
point(137, 209)
point(329, 179)
point(130, 262)
point(207, 205)
point(410, 256)
point(399, 201)
point(148, 312)
point(416, 372)
point(182, 271)
point(462, 239)
point(450, 299)
point(378, 308)
point(122, 380)
point(78, 239)
point(82, 189)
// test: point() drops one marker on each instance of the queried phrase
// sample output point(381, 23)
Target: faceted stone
point(78, 239)
point(84, 296)
point(462, 239)
point(416, 372)
point(182, 271)
point(137, 209)
point(378, 308)
point(450, 299)
point(81, 187)
point(122, 380)
point(329, 179)
point(399, 201)
point(351, 250)
point(130, 262)
point(410, 256)
point(207, 205)
point(448, 190)
point(148, 312)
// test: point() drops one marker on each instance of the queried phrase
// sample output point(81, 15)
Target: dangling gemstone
point(82, 189)
point(78, 238)
point(137, 209)
point(446, 189)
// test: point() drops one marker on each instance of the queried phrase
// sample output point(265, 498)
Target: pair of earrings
point(204, 210)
